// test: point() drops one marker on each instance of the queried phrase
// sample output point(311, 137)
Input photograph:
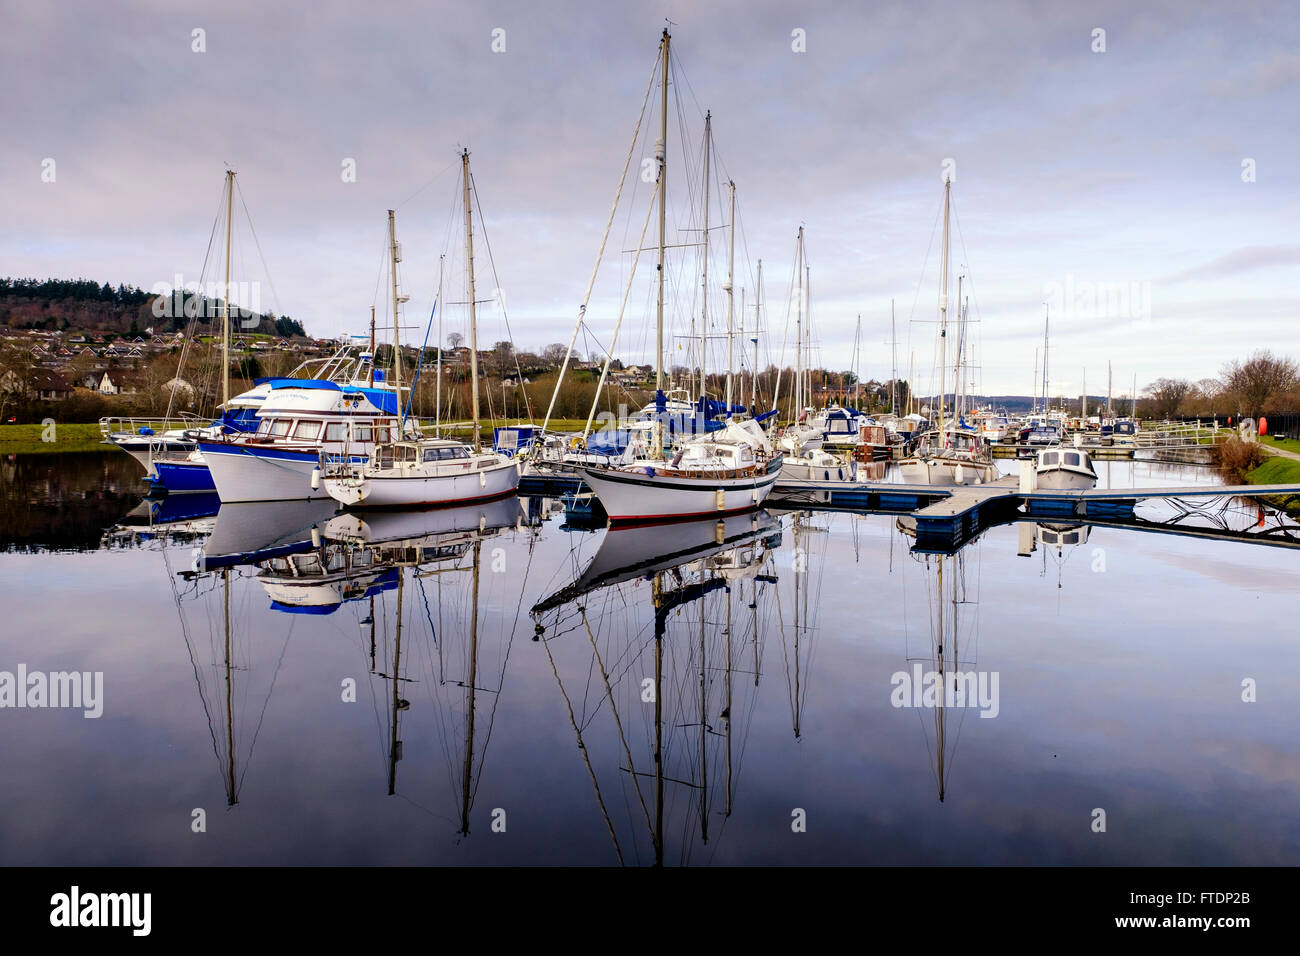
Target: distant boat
point(1065, 468)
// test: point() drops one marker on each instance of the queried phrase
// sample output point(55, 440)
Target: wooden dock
point(950, 516)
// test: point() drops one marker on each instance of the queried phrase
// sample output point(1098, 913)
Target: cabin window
point(1072, 458)
point(309, 431)
point(280, 426)
point(361, 433)
point(460, 453)
point(336, 431)
point(1049, 458)
point(383, 436)
point(264, 427)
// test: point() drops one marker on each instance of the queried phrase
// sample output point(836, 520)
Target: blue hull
point(178, 476)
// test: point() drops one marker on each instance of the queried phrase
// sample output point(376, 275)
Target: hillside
point(83, 305)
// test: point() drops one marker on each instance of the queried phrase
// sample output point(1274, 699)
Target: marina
point(599, 437)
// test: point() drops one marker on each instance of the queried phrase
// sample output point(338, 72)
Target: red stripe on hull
point(430, 505)
point(665, 519)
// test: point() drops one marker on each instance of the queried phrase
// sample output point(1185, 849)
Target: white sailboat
point(726, 471)
point(951, 454)
point(428, 471)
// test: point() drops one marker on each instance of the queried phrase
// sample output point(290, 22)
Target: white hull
point(242, 475)
point(794, 469)
point(632, 496)
point(400, 491)
point(1066, 479)
point(944, 472)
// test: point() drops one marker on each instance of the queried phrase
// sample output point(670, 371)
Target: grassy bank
point(31, 439)
point(556, 425)
point(1286, 444)
point(1275, 471)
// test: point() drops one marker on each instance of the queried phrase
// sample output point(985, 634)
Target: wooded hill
point(83, 305)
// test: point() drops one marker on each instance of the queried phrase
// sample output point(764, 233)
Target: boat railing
point(125, 425)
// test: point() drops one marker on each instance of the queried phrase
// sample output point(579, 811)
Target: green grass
point(30, 439)
point(1276, 471)
point(556, 425)
point(1287, 444)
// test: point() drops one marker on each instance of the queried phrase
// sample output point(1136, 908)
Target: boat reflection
point(934, 675)
point(661, 600)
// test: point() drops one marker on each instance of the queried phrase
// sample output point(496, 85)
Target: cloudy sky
point(1139, 180)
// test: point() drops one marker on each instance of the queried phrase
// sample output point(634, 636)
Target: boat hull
point(634, 496)
point(244, 473)
point(397, 491)
point(176, 477)
point(942, 472)
point(1066, 479)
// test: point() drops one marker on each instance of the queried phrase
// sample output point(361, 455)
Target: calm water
point(524, 710)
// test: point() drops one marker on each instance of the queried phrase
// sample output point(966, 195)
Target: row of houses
point(52, 385)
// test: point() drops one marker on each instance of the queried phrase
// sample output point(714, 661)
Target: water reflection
point(660, 694)
point(688, 634)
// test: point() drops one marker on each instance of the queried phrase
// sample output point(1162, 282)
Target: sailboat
point(417, 471)
point(950, 454)
point(730, 470)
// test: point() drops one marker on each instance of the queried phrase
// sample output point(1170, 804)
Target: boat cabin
point(1062, 458)
point(289, 429)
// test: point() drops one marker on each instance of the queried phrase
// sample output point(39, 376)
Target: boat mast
point(372, 346)
point(943, 306)
point(857, 335)
point(758, 304)
point(893, 383)
point(731, 290)
point(663, 211)
point(1084, 409)
point(958, 406)
point(1034, 407)
point(1047, 400)
point(798, 330)
point(807, 331)
point(437, 420)
point(396, 256)
point(704, 278)
point(1109, 383)
point(225, 297)
point(473, 315)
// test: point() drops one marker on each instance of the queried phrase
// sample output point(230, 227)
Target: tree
point(454, 340)
point(1167, 396)
point(503, 358)
point(1259, 378)
point(554, 354)
point(286, 327)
